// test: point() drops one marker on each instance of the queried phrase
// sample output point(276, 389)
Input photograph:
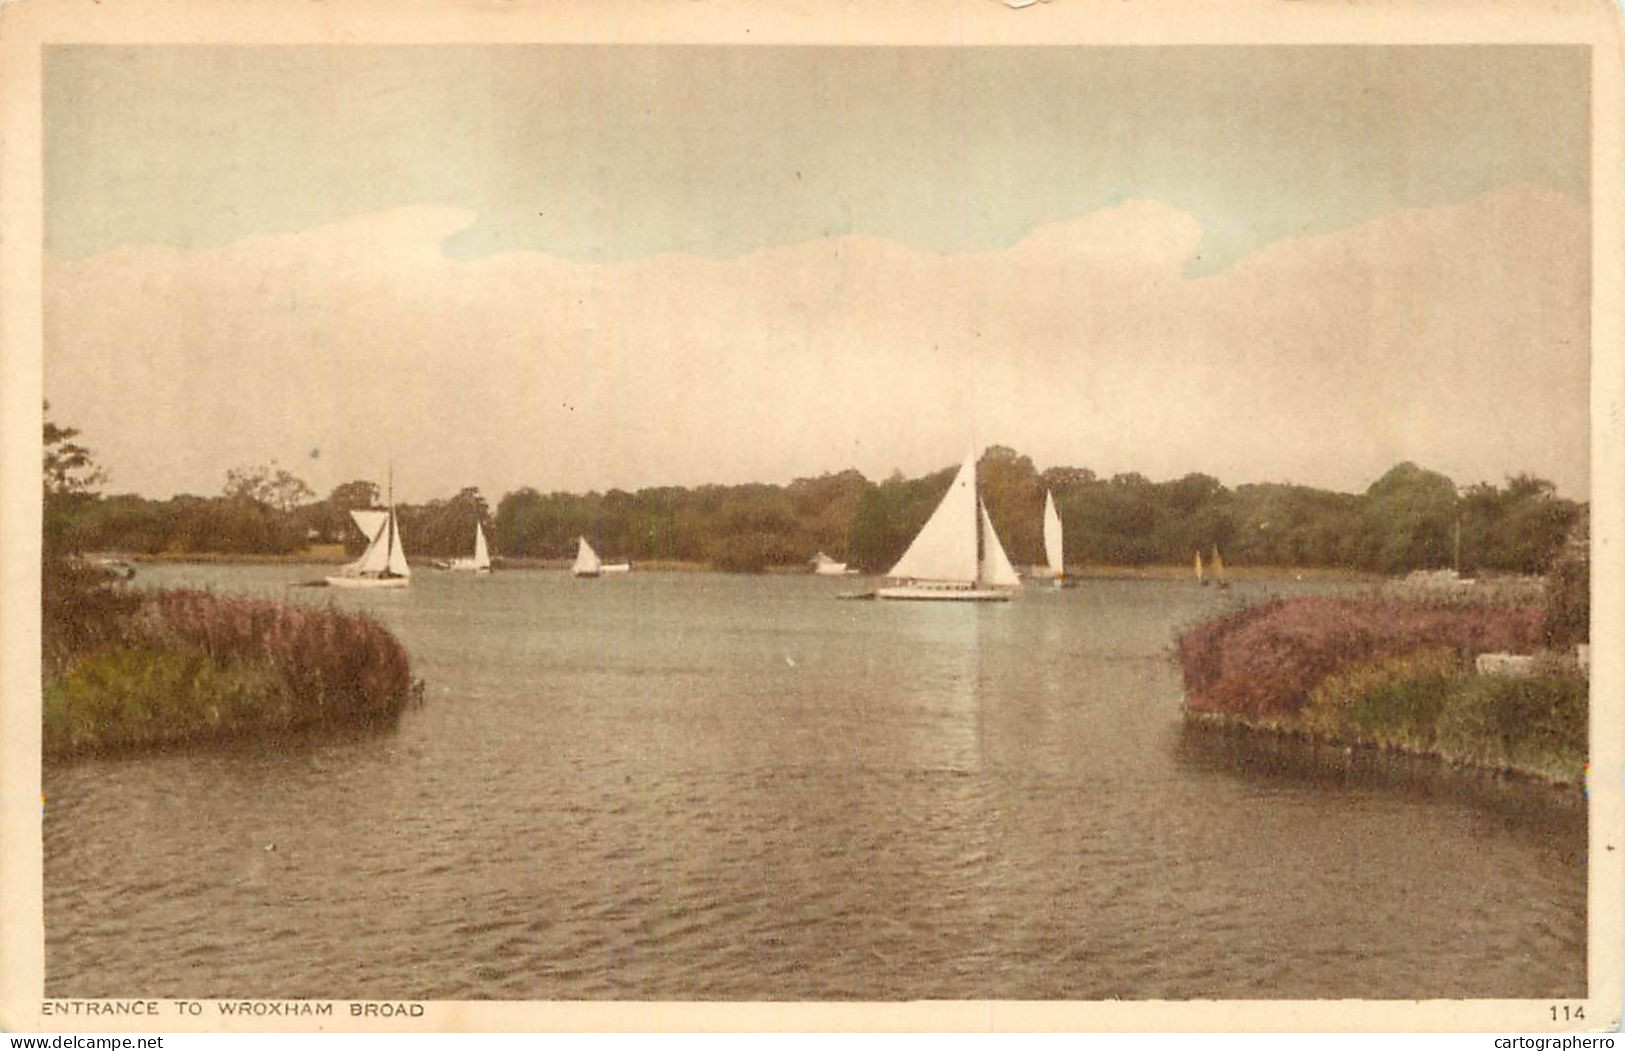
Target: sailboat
point(957, 556)
point(481, 562)
point(588, 564)
point(1201, 578)
point(383, 564)
point(1218, 569)
point(1052, 543)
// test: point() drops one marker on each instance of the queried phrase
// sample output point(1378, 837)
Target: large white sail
point(1052, 535)
point(945, 550)
point(996, 570)
point(586, 558)
point(482, 555)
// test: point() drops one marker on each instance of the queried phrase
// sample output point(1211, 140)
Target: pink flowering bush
point(1262, 662)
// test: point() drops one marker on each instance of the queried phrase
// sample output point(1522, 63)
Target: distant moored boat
point(481, 562)
point(825, 566)
point(588, 564)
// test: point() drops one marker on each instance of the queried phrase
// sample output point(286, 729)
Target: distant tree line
point(1410, 518)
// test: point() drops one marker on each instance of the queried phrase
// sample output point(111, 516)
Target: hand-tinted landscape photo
point(816, 523)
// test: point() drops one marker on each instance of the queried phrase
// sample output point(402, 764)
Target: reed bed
point(192, 665)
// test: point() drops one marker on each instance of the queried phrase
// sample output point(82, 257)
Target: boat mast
point(976, 513)
point(389, 551)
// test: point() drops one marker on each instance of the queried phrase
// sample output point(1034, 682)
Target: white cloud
point(1422, 336)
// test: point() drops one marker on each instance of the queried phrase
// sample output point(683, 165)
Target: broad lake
point(702, 786)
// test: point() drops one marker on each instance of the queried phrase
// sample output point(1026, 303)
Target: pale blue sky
point(601, 154)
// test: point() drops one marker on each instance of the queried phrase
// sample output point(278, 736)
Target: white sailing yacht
point(383, 564)
point(586, 563)
point(481, 562)
point(1053, 553)
point(957, 556)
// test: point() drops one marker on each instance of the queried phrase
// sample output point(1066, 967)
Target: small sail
point(945, 549)
point(376, 558)
point(586, 557)
point(996, 570)
point(1052, 535)
point(1199, 577)
point(369, 522)
point(482, 555)
point(1218, 564)
point(397, 552)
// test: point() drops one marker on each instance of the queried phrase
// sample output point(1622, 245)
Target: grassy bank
point(176, 667)
point(1383, 673)
point(1186, 572)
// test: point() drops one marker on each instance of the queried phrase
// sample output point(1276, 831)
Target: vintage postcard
point(654, 515)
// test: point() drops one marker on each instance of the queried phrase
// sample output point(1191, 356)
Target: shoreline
point(501, 562)
point(1256, 743)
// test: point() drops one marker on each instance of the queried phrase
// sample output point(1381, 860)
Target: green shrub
point(1389, 701)
point(128, 697)
point(1537, 722)
point(82, 607)
point(1568, 602)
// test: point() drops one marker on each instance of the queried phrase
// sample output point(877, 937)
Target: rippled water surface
point(703, 786)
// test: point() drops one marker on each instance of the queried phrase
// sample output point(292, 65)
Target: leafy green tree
point(70, 479)
point(69, 469)
point(80, 606)
point(354, 496)
point(1568, 592)
point(267, 484)
point(1409, 521)
point(868, 543)
point(1015, 502)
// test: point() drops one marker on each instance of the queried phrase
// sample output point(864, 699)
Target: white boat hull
point(460, 566)
point(369, 582)
point(615, 567)
point(919, 593)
